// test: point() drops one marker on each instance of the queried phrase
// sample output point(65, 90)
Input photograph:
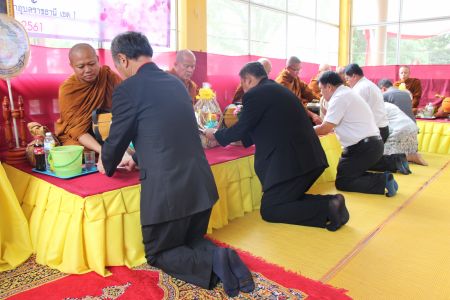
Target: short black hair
point(253, 68)
point(132, 44)
point(353, 69)
point(330, 77)
point(384, 83)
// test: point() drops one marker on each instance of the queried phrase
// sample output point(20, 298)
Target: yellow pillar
point(345, 14)
point(10, 7)
point(192, 25)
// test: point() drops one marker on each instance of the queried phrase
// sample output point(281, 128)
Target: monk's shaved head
point(293, 66)
point(184, 64)
point(405, 67)
point(84, 62)
point(293, 60)
point(266, 64)
point(182, 55)
point(81, 48)
point(340, 70)
point(324, 68)
point(404, 72)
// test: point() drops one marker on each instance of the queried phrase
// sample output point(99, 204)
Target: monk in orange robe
point(412, 84)
point(314, 84)
point(89, 88)
point(289, 78)
point(240, 92)
point(183, 68)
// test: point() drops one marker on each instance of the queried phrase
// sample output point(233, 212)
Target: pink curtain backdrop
point(49, 67)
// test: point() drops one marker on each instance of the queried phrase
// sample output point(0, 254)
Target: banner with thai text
point(95, 20)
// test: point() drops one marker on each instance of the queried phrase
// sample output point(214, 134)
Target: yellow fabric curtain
point(15, 245)
point(78, 235)
point(434, 137)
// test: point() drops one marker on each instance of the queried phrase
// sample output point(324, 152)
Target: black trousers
point(352, 175)
point(287, 202)
point(386, 162)
point(179, 248)
point(384, 132)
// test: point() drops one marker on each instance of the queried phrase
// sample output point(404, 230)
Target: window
point(370, 12)
point(274, 28)
point(400, 32)
point(267, 40)
point(228, 27)
point(278, 4)
point(425, 43)
point(301, 38)
point(305, 8)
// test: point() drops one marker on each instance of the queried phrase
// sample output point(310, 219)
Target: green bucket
point(66, 160)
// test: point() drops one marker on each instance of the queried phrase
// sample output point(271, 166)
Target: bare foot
point(417, 159)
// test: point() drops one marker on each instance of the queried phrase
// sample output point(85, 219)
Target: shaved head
point(84, 62)
point(184, 64)
point(266, 64)
point(324, 68)
point(340, 70)
point(182, 55)
point(293, 60)
point(404, 72)
point(81, 48)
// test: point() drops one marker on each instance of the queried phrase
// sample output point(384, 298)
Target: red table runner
point(98, 183)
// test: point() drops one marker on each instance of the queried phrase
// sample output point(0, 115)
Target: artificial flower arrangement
point(207, 113)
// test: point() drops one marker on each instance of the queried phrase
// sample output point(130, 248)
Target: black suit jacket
point(154, 110)
point(274, 120)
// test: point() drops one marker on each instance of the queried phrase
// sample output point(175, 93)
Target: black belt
point(366, 140)
point(370, 138)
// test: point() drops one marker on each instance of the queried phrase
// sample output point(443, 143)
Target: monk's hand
point(100, 167)
point(209, 133)
point(316, 119)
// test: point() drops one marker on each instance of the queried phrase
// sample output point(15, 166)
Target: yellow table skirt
point(78, 235)
point(15, 244)
point(434, 137)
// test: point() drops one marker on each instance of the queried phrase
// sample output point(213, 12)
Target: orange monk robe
point(77, 101)
point(190, 85)
point(238, 94)
point(314, 87)
point(415, 87)
point(298, 87)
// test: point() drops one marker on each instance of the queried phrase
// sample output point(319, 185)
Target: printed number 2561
point(32, 26)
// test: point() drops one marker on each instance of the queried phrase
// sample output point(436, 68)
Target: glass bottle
point(39, 155)
point(49, 143)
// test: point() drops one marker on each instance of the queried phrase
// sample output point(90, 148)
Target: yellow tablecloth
point(15, 244)
point(434, 136)
point(77, 235)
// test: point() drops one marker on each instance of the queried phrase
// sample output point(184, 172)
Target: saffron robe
point(77, 101)
point(190, 85)
point(415, 87)
point(298, 87)
point(314, 87)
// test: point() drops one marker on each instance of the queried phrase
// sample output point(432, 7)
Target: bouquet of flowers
point(207, 113)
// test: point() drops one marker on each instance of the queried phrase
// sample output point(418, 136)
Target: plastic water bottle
point(49, 143)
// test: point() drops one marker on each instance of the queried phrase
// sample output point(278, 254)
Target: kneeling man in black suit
point(289, 157)
point(153, 109)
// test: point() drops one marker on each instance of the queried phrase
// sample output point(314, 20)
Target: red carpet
point(145, 282)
